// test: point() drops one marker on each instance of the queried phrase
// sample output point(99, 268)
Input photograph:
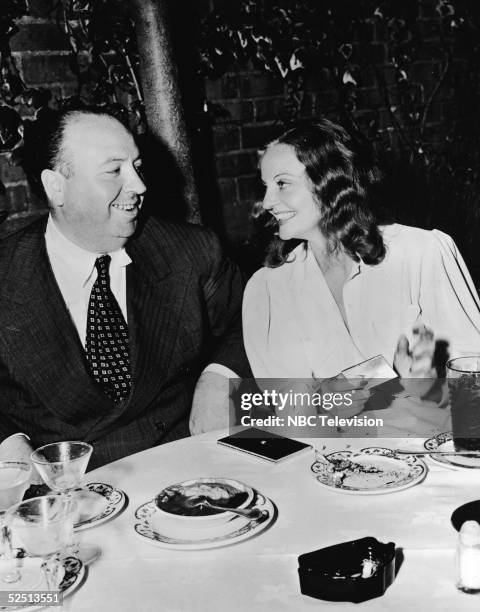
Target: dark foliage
point(426, 127)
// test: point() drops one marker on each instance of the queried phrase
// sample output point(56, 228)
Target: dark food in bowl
point(180, 500)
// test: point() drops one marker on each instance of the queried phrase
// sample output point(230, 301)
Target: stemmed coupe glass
point(62, 466)
point(43, 526)
point(14, 479)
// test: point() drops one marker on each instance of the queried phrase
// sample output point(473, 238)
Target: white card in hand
point(376, 369)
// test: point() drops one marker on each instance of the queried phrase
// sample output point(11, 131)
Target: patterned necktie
point(106, 342)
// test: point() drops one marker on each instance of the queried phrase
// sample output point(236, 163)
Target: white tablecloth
point(260, 574)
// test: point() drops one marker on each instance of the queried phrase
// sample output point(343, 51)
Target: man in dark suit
point(160, 297)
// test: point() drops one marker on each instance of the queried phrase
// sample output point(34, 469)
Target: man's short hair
point(57, 155)
point(44, 141)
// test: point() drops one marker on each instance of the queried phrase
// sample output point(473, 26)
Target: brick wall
point(41, 53)
point(253, 102)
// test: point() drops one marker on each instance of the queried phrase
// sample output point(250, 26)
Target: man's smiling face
point(102, 189)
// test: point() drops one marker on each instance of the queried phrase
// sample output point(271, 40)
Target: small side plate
point(99, 502)
point(74, 575)
point(444, 442)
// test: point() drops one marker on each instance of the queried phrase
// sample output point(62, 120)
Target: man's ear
point(53, 182)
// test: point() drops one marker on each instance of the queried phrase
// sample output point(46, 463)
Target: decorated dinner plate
point(370, 471)
point(98, 502)
point(155, 528)
point(444, 442)
point(74, 574)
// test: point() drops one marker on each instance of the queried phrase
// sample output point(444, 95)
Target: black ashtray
point(352, 571)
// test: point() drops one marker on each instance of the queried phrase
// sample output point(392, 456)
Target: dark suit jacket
point(184, 311)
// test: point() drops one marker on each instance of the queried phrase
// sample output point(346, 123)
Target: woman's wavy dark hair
point(344, 176)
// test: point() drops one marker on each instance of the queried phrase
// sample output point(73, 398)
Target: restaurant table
point(260, 574)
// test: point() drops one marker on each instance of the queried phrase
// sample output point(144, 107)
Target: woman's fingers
point(417, 361)
point(423, 351)
point(342, 384)
point(402, 360)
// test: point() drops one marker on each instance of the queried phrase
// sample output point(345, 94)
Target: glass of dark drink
point(463, 375)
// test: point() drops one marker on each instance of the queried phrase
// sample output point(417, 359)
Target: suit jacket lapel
point(155, 297)
point(33, 319)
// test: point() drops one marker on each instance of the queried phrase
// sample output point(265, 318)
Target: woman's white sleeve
point(256, 323)
point(448, 298)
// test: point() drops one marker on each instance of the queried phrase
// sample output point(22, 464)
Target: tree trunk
point(161, 92)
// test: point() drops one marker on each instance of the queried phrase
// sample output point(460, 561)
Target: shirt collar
point(357, 266)
point(79, 261)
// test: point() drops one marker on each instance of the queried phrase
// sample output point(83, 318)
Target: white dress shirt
point(75, 272)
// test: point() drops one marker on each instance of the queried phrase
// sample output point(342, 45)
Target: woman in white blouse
point(350, 289)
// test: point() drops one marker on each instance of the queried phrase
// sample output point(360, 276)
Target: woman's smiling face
point(288, 196)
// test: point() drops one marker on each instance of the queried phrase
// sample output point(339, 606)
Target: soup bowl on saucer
point(188, 502)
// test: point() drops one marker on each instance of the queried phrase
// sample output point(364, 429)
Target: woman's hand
point(415, 364)
point(353, 391)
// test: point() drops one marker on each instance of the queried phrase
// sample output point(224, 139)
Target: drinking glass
point(62, 466)
point(463, 375)
point(14, 479)
point(43, 526)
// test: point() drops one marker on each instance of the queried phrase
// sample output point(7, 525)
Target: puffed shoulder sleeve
point(448, 298)
point(256, 322)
